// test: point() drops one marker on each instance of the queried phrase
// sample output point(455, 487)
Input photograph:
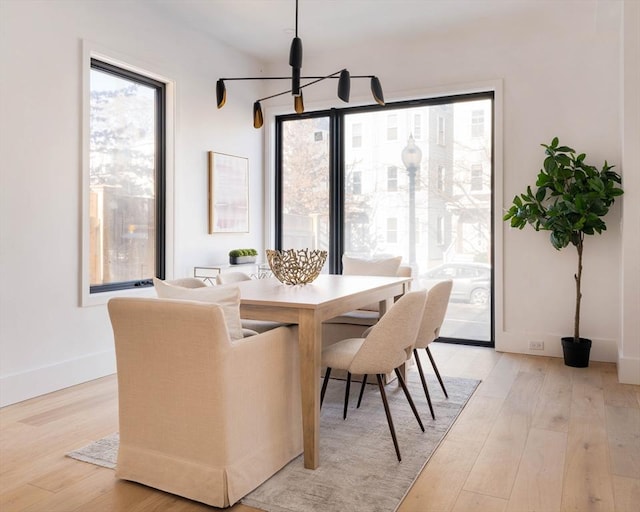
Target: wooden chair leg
point(408, 395)
point(388, 413)
point(435, 369)
point(346, 396)
point(364, 383)
point(424, 382)
point(324, 385)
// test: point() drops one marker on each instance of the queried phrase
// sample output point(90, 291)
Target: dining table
point(328, 296)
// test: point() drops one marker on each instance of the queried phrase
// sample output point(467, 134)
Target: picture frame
point(228, 193)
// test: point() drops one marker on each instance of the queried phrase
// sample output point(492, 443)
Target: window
point(356, 183)
point(304, 197)
point(352, 202)
point(356, 135)
point(392, 178)
point(392, 230)
point(127, 175)
point(440, 178)
point(417, 126)
point(441, 132)
point(476, 177)
point(392, 127)
point(440, 230)
point(477, 123)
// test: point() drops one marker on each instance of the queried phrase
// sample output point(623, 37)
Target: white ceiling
point(264, 28)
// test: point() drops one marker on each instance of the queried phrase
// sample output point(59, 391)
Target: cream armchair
point(201, 416)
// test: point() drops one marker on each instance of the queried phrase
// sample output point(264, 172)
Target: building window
point(441, 131)
point(440, 178)
point(392, 127)
point(356, 135)
point(126, 178)
point(417, 126)
point(476, 177)
point(356, 183)
point(392, 230)
point(392, 179)
point(477, 123)
point(440, 231)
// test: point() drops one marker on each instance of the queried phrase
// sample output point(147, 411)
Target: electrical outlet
point(536, 345)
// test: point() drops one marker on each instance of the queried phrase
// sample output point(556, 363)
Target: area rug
point(358, 471)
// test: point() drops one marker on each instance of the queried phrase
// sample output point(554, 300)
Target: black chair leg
point(435, 369)
point(424, 382)
point(324, 385)
point(346, 396)
point(364, 383)
point(388, 413)
point(408, 395)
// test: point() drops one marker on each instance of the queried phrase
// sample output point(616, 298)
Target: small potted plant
point(571, 200)
point(240, 256)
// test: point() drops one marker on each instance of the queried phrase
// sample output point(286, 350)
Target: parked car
point(471, 281)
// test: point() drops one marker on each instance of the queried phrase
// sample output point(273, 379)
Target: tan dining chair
point(232, 277)
point(434, 312)
point(187, 282)
point(201, 415)
point(387, 346)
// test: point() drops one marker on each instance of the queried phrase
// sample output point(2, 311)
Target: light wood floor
point(536, 436)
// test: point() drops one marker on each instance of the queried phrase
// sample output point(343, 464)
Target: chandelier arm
point(332, 75)
point(319, 79)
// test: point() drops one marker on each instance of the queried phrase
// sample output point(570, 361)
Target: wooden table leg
point(310, 341)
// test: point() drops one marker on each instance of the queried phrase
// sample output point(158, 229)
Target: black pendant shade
point(295, 54)
point(258, 121)
point(298, 104)
point(221, 93)
point(344, 85)
point(376, 90)
point(295, 61)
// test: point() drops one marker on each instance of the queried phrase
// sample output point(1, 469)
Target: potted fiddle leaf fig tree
point(571, 200)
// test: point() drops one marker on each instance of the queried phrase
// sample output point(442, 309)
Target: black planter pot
point(576, 354)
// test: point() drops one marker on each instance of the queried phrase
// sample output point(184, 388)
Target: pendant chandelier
point(295, 61)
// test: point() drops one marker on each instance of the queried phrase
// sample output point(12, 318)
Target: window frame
point(165, 229)
point(337, 136)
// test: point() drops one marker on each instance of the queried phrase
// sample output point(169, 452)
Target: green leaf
point(596, 184)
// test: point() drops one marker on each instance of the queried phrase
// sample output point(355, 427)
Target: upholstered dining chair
point(434, 312)
point(187, 282)
point(387, 346)
point(200, 414)
point(232, 277)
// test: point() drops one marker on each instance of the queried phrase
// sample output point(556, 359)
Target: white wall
point(46, 340)
point(629, 346)
point(556, 82)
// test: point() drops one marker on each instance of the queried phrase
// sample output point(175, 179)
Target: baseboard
point(628, 370)
point(602, 350)
point(39, 381)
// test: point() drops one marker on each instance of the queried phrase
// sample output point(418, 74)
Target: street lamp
point(411, 157)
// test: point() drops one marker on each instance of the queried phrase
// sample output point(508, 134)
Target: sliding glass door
point(408, 179)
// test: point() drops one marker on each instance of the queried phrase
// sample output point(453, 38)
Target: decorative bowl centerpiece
point(299, 266)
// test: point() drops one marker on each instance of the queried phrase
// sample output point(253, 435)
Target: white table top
point(325, 289)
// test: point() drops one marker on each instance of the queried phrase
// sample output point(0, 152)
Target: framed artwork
point(228, 193)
